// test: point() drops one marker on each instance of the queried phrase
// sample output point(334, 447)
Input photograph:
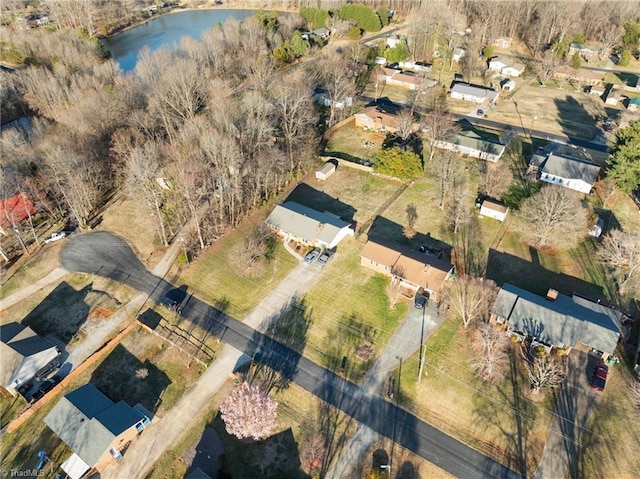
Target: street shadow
point(320, 201)
point(123, 377)
point(62, 313)
point(275, 457)
point(388, 233)
point(574, 119)
point(273, 369)
point(506, 268)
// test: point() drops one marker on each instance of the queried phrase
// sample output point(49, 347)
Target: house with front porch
point(412, 270)
point(558, 321)
point(569, 172)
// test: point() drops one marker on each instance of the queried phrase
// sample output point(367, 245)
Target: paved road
point(475, 120)
point(107, 255)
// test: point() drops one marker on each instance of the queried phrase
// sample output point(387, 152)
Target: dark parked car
point(599, 378)
point(421, 299)
point(311, 256)
point(44, 388)
point(48, 369)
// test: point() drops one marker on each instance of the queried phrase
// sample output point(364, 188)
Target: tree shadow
point(388, 233)
point(123, 377)
point(574, 119)
point(407, 471)
point(507, 268)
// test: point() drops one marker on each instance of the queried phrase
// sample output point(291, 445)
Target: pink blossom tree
point(249, 413)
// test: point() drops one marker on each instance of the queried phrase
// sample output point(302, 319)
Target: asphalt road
point(474, 120)
point(108, 255)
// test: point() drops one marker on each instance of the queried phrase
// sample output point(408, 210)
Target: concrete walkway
point(403, 344)
point(53, 277)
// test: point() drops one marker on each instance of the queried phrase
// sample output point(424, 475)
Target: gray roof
point(17, 343)
point(88, 422)
point(566, 320)
point(570, 168)
point(306, 223)
point(466, 89)
point(483, 143)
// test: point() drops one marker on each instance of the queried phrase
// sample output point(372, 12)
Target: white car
point(55, 237)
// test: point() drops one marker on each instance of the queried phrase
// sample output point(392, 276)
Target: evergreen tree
point(624, 163)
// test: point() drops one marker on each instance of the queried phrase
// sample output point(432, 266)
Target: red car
point(599, 378)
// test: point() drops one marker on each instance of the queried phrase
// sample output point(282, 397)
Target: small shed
point(508, 85)
point(326, 170)
point(634, 104)
point(494, 210)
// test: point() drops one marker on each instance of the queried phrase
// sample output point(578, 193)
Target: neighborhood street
point(110, 256)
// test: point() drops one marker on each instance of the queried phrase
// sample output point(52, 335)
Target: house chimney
point(552, 294)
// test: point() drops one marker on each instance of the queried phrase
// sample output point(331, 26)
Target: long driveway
point(107, 255)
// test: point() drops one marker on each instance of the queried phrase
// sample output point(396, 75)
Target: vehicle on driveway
point(599, 378)
point(311, 256)
point(44, 388)
point(480, 112)
point(421, 299)
point(49, 369)
point(55, 237)
point(323, 260)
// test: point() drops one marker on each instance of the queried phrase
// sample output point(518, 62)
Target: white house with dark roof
point(293, 221)
point(23, 354)
point(475, 144)
point(94, 427)
point(475, 94)
point(493, 209)
point(569, 172)
point(558, 321)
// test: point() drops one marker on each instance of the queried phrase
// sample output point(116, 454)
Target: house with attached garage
point(293, 221)
point(475, 94)
point(569, 172)
point(95, 428)
point(506, 67)
point(412, 270)
point(23, 355)
point(558, 321)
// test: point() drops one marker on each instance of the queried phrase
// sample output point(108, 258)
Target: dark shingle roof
point(566, 320)
point(570, 168)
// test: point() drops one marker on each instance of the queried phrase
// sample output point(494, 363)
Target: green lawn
point(485, 416)
point(216, 280)
point(349, 307)
point(11, 407)
point(351, 143)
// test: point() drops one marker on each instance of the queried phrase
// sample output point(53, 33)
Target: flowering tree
point(249, 413)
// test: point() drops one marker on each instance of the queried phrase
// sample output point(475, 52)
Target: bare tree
point(406, 126)
point(546, 67)
point(555, 213)
point(412, 217)
point(492, 353)
point(459, 210)
point(335, 73)
point(437, 126)
point(495, 180)
point(248, 255)
point(248, 413)
point(394, 287)
point(620, 252)
point(472, 298)
point(313, 452)
point(544, 372)
point(446, 169)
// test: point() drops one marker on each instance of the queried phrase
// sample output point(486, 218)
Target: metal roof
point(570, 168)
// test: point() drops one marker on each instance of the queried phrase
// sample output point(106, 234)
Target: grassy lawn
point(167, 372)
point(350, 143)
point(10, 407)
point(351, 194)
point(216, 280)
point(300, 414)
point(32, 269)
point(484, 416)
point(349, 308)
point(609, 443)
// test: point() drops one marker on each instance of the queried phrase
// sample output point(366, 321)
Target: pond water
point(166, 31)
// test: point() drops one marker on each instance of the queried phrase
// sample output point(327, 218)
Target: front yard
point(489, 418)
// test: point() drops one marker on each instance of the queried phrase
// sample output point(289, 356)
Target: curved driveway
point(108, 255)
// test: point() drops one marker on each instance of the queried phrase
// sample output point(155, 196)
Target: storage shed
point(326, 170)
point(494, 210)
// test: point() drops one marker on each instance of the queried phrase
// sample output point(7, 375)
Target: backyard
point(351, 143)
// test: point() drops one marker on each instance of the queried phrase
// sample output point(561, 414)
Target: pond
point(166, 31)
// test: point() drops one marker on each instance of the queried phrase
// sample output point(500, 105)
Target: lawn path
point(33, 288)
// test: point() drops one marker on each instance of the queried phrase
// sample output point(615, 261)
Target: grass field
point(487, 417)
point(348, 310)
point(353, 143)
point(216, 279)
point(33, 268)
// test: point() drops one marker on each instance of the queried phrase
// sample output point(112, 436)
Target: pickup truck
point(55, 237)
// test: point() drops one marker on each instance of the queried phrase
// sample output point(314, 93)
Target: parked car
point(420, 301)
point(44, 389)
point(311, 256)
point(48, 369)
point(599, 378)
point(322, 260)
point(480, 112)
point(55, 237)
point(169, 302)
